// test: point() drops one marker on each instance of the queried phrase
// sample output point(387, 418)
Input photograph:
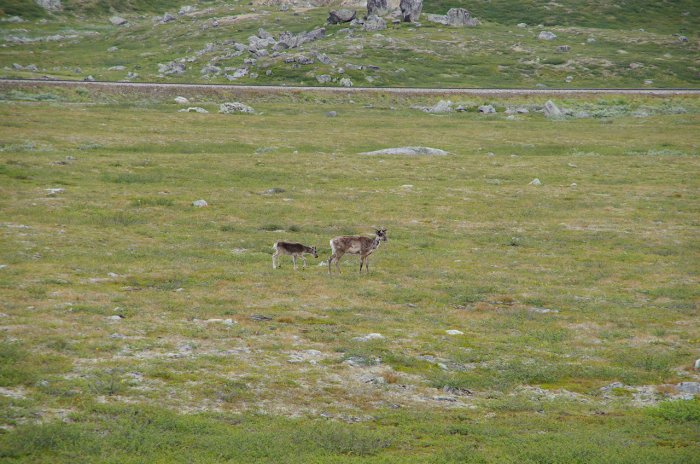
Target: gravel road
point(122, 86)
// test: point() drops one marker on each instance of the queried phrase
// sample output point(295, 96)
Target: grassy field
point(131, 328)
point(639, 46)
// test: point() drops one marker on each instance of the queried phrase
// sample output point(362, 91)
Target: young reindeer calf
point(355, 245)
point(295, 250)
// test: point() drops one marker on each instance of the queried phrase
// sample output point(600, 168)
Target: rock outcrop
point(341, 16)
point(411, 10)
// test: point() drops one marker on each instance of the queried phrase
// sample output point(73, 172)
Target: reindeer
point(295, 250)
point(355, 245)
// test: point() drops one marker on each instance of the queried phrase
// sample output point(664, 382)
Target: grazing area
point(524, 44)
point(537, 299)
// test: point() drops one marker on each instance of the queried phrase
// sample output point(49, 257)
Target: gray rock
point(346, 82)
point(13, 19)
point(536, 182)
point(117, 68)
point(259, 43)
point(377, 7)
point(368, 337)
point(200, 203)
point(172, 68)
point(341, 16)
point(235, 107)
point(132, 75)
point(440, 107)
point(546, 35)
point(89, 79)
point(112, 49)
point(50, 5)
point(305, 60)
point(186, 10)
point(408, 151)
point(323, 79)
point(331, 114)
point(193, 109)
point(551, 110)
point(118, 21)
point(411, 10)
point(210, 70)
point(181, 100)
point(689, 387)
point(454, 332)
point(682, 38)
point(241, 72)
point(374, 23)
point(563, 48)
point(167, 17)
point(522, 110)
point(487, 109)
point(323, 58)
point(459, 17)
point(522, 25)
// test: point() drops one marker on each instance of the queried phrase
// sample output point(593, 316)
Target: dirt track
point(243, 89)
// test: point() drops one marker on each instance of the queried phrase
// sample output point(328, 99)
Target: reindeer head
point(314, 251)
point(381, 233)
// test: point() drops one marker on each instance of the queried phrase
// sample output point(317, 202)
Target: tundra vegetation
point(642, 43)
point(137, 327)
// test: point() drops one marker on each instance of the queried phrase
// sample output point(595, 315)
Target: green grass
point(629, 46)
point(472, 246)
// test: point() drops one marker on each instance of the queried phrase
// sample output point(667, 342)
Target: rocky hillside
point(486, 44)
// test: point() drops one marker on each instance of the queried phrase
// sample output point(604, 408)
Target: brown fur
point(295, 250)
point(355, 245)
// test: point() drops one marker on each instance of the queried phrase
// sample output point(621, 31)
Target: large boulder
point(235, 107)
point(410, 10)
point(460, 17)
point(377, 7)
point(118, 21)
point(341, 16)
point(374, 23)
point(50, 5)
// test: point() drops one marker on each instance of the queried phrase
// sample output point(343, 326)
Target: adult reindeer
point(355, 245)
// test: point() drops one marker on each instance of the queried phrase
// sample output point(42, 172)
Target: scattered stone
point(167, 17)
point(117, 336)
point(368, 337)
point(118, 21)
point(346, 82)
point(200, 203)
point(117, 68)
point(52, 192)
point(697, 364)
point(181, 100)
point(50, 5)
point(240, 72)
point(458, 391)
point(342, 16)
point(377, 7)
point(648, 82)
point(331, 114)
point(274, 190)
point(115, 318)
point(193, 109)
point(542, 310)
point(411, 10)
point(487, 109)
point(132, 75)
point(522, 25)
point(569, 79)
point(535, 182)
point(260, 317)
point(171, 68)
point(459, 17)
point(235, 107)
point(563, 48)
point(454, 332)
point(89, 79)
point(303, 60)
point(551, 110)
point(374, 23)
point(323, 79)
point(186, 10)
point(573, 185)
point(443, 106)
point(210, 70)
point(546, 35)
point(689, 387)
point(636, 65)
point(15, 393)
point(682, 38)
point(408, 151)
point(522, 110)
